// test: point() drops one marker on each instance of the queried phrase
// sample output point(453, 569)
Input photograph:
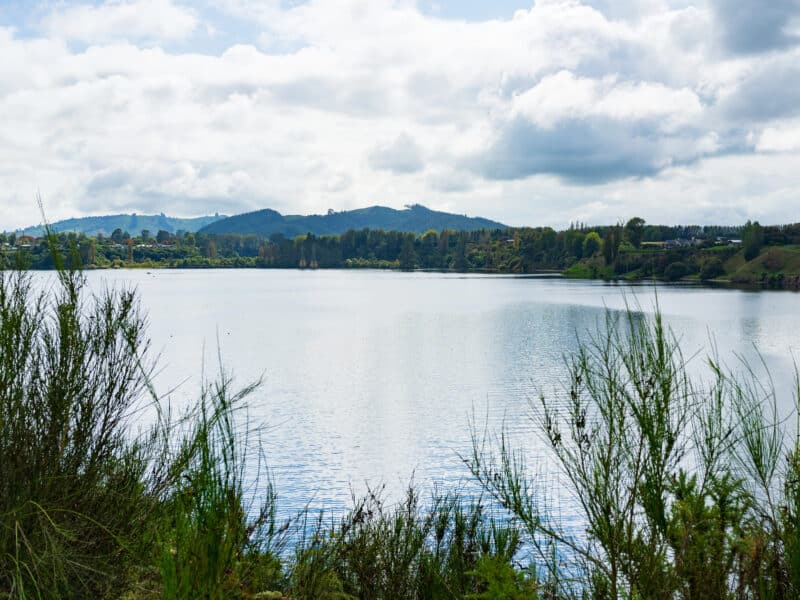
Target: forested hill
point(132, 223)
point(414, 219)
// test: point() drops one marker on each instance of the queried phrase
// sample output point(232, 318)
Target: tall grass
point(89, 506)
point(74, 490)
point(683, 489)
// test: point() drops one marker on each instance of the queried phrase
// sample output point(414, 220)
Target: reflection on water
point(371, 376)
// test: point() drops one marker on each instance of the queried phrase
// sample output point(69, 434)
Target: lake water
point(370, 376)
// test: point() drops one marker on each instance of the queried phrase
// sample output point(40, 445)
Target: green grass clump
point(684, 490)
point(74, 491)
point(89, 507)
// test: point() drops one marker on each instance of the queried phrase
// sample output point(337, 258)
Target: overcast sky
point(529, 113)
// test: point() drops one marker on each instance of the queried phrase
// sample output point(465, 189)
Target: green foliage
point(712, 268)
point(208, 543)
point(680, 487)
point(591, 244)
point(634, 231)
point(73, 489)
point(498, 580)
point(752, 240)
point(88, 508)
point(677, 270)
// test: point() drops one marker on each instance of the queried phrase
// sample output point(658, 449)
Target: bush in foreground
point(684, 491)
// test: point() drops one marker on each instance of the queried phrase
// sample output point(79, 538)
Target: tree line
point(633, 249)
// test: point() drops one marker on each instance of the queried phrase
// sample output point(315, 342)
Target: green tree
point(611, 241)
point(460, 258)
point(752, 239)
point(591, 244)
point(634, 229)
point(407, 256)
point(145, 235)
point(712, 268)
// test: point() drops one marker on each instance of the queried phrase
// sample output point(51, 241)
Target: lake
point(371, 376)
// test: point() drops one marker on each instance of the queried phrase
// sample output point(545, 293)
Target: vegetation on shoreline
point(751, 255)
point(681, 490)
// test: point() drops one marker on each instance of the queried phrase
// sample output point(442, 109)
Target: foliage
point(73, 490)
point(684, 491)
point(88, 506)
point(712, 268)
point(634, 231)
point(591, 244)
point(574, 252)
point(752, 240)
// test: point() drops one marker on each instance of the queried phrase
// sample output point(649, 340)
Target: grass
point(686, 490)
point(772, 262)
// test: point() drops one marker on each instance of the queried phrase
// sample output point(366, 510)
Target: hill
point(414, 219)
point(132, 223)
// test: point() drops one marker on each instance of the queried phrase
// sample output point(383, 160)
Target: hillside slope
point(132, 223)
point(415, 219)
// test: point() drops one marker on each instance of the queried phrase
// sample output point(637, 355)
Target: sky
point(529, 113)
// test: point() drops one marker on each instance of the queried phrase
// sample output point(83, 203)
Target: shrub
point(677, 270)
point(712, 269)
point(87, 507)
point(774, 259)
point(683, 491)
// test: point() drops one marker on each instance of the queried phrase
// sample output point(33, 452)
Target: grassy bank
point(685, 489)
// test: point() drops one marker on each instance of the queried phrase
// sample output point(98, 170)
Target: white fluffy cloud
point(562, 111)
point(148, 20)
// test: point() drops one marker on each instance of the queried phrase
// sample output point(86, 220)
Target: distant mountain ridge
point(413, 219)
point(132, 223)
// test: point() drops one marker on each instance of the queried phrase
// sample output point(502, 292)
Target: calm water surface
point(371, 376)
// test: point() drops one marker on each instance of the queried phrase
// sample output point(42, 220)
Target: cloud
point(785, 138)
point(591, 131)
point(400, 156)
point(767, 91)
point(753, 26)
point(580, 151)
point(564, 96)
point(114, 20)
point(560, 111)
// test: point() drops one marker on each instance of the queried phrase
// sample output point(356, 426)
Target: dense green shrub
point(712, 268)
point(677, 270)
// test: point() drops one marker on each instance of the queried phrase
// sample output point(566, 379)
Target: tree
point(460, 259)
point(145, 235)
point(752, 239)
point(407, 257)
point(611, 240)
point(712, 268)
point(117, 236)
point(634, 230)
point(591, 244)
